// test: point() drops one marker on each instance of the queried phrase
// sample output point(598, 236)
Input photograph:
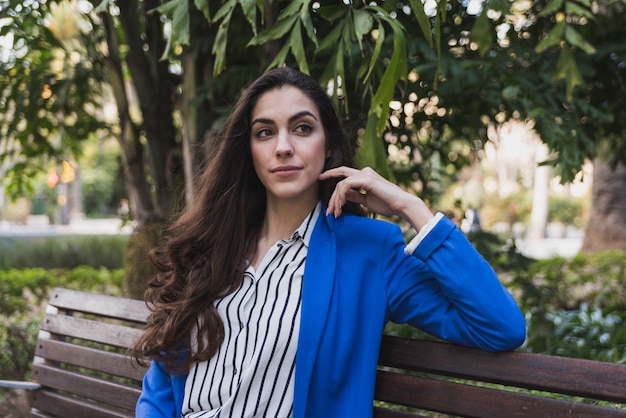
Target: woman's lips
point(284, 171)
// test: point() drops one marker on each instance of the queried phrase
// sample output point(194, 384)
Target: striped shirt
point(252, 373)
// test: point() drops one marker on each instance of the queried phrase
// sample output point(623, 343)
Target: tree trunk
point(132, 149)
point(153, 86)
point(541, 195)
point(606, 227)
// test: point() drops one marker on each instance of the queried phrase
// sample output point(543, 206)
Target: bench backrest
point(83, 369)
point(80, 359)
point(461, 381)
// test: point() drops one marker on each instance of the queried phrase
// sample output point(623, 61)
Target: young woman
point(273, 289)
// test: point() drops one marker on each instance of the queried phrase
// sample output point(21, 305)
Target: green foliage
point(567, 210)
point(23, 291)
point(575, 307)
point(558, 283)
point(17, 347)
point(23, 295)
point(582, 333)
point(47, 88)
point(101, 178)
point(63, 251)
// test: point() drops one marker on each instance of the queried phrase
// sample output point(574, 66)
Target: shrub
point(23, 290)
point(23, 294)
point(567, 210)
point(559, 283)
point(582, 333)
point(63, 252)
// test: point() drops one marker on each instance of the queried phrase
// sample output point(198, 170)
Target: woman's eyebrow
point(301, 114)
point(291, 118)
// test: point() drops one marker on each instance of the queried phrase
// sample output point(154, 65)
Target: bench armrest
point(16, 384)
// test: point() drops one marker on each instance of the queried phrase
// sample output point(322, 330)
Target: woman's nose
point(284, 145)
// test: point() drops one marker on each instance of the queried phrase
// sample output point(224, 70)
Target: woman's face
point(288, 145)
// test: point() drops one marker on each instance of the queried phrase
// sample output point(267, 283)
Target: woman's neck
point(282, 218)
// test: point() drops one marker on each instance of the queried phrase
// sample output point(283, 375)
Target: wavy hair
point(203, 255)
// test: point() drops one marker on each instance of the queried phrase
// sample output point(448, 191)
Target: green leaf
point(297, 49)
point(550, 8)
point(226, 10)
point(482, 33)
point(510, 92)
point(371, 152)
point(502, 6)
point(330, 71)
point(395, 70)
point(333, 71)
point(307, 22)
point(554, 37)
point(279, 59)
point(221, 40)
point(332, 39)
point(418, 10)
point(341, 74)
point(275, 32)
point(363, 23)
point(573, 37)
point(331, 13)
point(567, 69)
point(572, 8)
point(294, 8)
point(249, 11)
point(376, 53)
point(178, 11)
point(203, 6)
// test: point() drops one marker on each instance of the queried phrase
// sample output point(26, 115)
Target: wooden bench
point(81, 370)
point(80, 367)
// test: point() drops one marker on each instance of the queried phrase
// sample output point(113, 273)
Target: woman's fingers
point(365, 187)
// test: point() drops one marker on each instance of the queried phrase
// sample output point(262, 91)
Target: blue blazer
point(356, 279)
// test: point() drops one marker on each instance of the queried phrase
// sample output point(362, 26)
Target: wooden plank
point(112, 334)
point(380, 412)
point(472, 401)
point(109, 306)
point(103, 361)
point(577, 377)
point(50, 404)
point(89, 387)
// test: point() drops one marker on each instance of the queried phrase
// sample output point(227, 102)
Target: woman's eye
point(263, 133)
point(304, 128)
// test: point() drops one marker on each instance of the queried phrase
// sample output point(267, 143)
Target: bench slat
point(104, 305)
point(103, 361)
point(472, 401)
point(111, 393)
point(60, 405)
point(577, 377)
point(112, 334)
point(388, 413)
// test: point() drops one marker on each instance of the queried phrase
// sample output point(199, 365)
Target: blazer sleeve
point(157, 398)
point(448, 289)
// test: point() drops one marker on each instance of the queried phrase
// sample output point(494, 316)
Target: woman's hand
point(379, 195)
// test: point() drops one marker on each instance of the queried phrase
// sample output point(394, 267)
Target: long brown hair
point(203, 257)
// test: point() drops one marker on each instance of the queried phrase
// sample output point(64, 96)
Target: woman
point(273, 289)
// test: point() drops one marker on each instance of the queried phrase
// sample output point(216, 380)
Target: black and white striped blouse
point(252, 374)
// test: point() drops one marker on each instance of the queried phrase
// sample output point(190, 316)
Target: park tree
point(422, 82)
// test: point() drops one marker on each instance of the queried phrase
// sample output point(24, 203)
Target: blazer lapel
point(317, 289)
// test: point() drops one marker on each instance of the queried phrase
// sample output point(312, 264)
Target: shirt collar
point(305, 230)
